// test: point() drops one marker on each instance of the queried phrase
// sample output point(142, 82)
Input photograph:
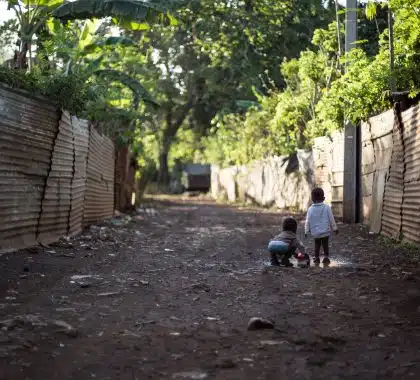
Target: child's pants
point(279, 248)
point(324, 242)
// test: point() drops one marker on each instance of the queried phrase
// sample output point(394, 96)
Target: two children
point(320, 223)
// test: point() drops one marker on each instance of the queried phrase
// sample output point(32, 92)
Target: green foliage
point(69, 93)
point(319, 95)
point(139, 92)
point(361, 92)
point(235, 80)
point(32, 15)
point(124, 10)
point(8, 37)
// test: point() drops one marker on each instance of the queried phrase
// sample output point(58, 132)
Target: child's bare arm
point(300, 246)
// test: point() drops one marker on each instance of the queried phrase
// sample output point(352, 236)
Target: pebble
point(193, 375)
point(272, 342)
point(259, 324)
point(225, 363)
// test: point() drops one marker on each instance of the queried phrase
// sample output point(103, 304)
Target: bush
point(71, 92)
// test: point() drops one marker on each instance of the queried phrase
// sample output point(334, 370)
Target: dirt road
point(169, 296)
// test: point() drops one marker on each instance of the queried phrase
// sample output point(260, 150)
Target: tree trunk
point(171, 129)
point(20, 56)
point(163, 177)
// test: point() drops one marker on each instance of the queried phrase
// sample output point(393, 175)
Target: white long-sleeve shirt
point(320, 221)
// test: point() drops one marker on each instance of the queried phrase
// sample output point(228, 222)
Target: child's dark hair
point(289, 224)
point(318, 195)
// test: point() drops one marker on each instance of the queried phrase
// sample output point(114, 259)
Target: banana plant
point(87, 54)
point(33, 14)
point(73, 49)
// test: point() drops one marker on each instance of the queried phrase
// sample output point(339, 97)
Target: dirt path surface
point(169, 296)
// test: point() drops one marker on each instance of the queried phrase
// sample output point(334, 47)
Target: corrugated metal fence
point(391, 174)
point(411, 195)
point(99, 197)
point(56, 174)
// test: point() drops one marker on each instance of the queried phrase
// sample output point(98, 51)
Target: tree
point(8, 37)
point(222, 55)
point(33, 14)
point(403, 41)
point(250, 39)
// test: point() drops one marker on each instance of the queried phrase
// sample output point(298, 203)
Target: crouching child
point(286, 244)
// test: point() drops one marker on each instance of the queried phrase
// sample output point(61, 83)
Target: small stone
point(108, 294)
point(201, 286)
point(272, 342)
point(408, 277)
point(345, 314)
point(213, 318)
point(193, 375)
point(67, 329)
point(259, 324)
point(225, 363)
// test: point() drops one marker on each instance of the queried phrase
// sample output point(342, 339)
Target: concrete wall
point(284, 182)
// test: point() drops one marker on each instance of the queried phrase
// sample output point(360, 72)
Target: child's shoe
point(285, 262)
point(326, 261)
point(316, 260)
point(274, 261)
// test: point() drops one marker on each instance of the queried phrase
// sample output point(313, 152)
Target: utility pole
point(351, 193)
point(351, 24)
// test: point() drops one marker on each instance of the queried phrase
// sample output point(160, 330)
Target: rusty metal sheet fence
point(99, 196)
point(401, 205)
point(78, 187)
point(394, 188)
point(411, 197)
point(53, 172)
point(28, 128)
point(56, 202)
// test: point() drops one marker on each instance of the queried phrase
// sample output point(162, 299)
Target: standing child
point(320, 223)
point(285, 244)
